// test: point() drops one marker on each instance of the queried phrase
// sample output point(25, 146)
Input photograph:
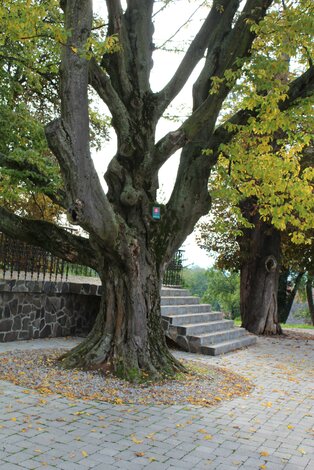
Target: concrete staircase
point(195, 328)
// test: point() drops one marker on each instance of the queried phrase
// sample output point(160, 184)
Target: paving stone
point(69, 466)
point(292, 466)
point(11, 466)
point(310, 465)
point(32, 464)
point(240, 428)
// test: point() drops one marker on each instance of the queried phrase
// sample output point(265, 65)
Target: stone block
point(6, 312)
point(10, 336)
point(45, 332)
point(25, 323)
point(13, 304)
point(17, 323)
point(6, 325)
point(24, 335)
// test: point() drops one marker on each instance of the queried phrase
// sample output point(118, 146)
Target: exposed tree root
point(125, 361)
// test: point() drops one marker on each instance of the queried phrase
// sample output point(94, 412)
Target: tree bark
point(259, 276)
point(309, 296)
point(286, 296)
point(128, 338)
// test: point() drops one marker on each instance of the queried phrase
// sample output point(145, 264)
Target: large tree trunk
point(127, 337)
point(259, 279)
point(309, 295)
point(287, 295)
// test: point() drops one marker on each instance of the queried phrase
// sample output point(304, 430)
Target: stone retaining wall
point(40, 309)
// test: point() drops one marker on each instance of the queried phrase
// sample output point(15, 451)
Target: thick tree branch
point(138, 17)
point(117, 64)
point(68, 137)
point(235, 45)
point(190, 194)
point(101, 83)
point(54, 239)
point(86, 201)
point(216, 25)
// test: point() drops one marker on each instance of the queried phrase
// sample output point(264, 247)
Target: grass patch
point(305, 326)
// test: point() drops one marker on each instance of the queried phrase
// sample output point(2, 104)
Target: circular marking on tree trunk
point(271, 264)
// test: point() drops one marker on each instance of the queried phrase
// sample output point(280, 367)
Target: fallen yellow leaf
point(264, 453)
point(135, 440)
point(268, 404)
point(118, 401)
point(84, 453)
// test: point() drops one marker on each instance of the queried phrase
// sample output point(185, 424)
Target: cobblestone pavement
point(271, 429)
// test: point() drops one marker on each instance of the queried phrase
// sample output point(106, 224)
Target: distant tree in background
point(309, 295)
point(223, 291)
point(195, 279)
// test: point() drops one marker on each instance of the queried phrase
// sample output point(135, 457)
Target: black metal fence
point(21, 260)
point(173, 274)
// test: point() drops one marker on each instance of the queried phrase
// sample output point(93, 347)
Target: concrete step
point(174, 292)
point(189, 318)
point(227, 346)
point(202, 328)
point(179, 300)
point(195, 328)
point(182, 309)
point(207, 339)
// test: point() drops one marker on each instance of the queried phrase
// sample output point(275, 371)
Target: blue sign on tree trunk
point(156, 213)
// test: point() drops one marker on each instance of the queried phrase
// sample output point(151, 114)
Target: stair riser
point(178, 320)
point(179, 308)
point(179, 301)
point(174, 292)
point(182, 309)
point(216, 337)
point(216, 350)
point(202, 329)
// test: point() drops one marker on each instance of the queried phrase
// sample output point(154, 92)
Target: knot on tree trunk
point(130, 196)
point(271, 264)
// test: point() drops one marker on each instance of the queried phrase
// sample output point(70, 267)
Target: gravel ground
point(39, 371)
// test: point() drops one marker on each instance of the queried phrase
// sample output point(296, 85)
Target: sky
point(165, 63)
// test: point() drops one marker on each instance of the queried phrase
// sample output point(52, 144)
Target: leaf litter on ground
point(38, 370)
